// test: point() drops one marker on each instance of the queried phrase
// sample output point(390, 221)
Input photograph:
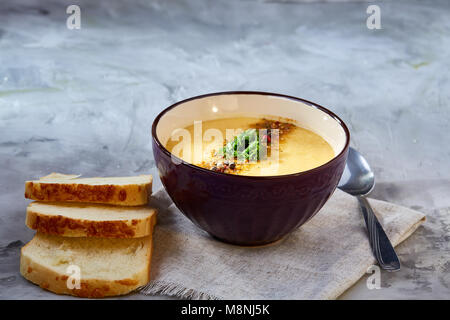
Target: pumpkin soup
point(250, 146)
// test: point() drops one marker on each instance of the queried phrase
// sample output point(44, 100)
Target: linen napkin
point(320, 260)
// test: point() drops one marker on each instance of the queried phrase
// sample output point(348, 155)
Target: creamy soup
point(250, 146)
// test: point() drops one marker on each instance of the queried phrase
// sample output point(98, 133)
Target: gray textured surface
point(82, 101)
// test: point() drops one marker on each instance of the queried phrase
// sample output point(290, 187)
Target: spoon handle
point(381, 246)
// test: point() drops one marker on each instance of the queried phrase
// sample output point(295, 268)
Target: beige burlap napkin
point(320, 260)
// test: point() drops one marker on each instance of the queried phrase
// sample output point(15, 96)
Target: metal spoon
point(358, 180)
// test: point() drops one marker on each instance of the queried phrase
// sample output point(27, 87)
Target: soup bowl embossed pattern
point(248, 210)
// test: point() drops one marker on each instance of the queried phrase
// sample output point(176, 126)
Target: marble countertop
point(82, 101)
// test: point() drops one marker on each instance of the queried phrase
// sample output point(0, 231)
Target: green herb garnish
point(244, 147)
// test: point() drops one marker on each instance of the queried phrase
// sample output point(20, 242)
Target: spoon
point(358, 180)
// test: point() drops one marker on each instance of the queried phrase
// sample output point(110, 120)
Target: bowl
point(248, 210)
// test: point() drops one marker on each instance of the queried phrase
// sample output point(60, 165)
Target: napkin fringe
point(174, 290)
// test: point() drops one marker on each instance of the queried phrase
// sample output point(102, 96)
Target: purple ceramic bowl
point(248, 210)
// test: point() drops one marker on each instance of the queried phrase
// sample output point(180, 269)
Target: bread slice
point(90, 220)
point(124, 191)
point(107, 267)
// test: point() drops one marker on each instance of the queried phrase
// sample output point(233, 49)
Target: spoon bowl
point(358, 178)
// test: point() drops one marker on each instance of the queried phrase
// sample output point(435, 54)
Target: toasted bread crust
point(70, 227)
point(124, 195)
point(55, 282)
